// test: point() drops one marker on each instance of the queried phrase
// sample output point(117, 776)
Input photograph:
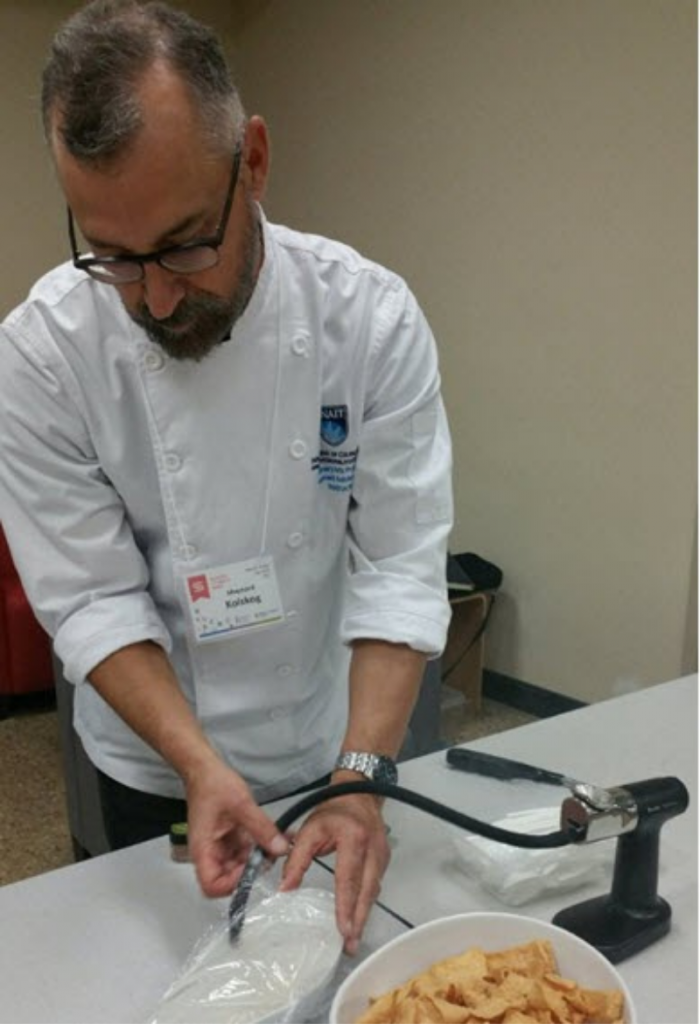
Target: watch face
point(385, 771)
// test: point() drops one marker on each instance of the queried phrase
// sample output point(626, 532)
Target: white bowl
point(416, 950)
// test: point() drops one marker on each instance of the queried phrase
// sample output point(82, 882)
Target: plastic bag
point(516, 875)
point(279, 969)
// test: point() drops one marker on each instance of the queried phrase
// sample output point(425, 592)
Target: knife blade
point(495, 767)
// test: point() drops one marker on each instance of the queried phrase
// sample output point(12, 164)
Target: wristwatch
point(376, 767)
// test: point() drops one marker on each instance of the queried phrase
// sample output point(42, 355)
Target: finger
point(300, 858)
point(368, 893)
point(218, 872)
point(262, 829)
point(359, 886)
point(349, 871)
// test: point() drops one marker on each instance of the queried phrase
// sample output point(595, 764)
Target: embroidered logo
point(336, 470)
point(334, 424)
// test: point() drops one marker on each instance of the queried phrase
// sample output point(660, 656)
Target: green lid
point(178, 833)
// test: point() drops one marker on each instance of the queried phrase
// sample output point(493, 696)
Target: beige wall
point(529, 166)
point(31, 214)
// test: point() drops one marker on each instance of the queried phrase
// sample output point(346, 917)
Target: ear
point(257, 156)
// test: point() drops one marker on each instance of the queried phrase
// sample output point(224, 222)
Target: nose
point(162, 291)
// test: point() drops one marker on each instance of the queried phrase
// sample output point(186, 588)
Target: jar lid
point(178, 833)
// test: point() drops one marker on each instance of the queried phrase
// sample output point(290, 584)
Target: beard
point(202, 321)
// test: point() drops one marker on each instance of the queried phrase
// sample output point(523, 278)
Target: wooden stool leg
point(463, 659)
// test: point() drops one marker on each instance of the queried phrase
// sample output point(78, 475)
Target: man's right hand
point(224, 822)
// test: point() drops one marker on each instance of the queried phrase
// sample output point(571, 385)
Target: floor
point(34, 834)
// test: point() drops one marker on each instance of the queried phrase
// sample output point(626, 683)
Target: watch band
point(375, 767)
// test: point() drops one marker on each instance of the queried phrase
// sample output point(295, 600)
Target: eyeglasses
point(188, 258)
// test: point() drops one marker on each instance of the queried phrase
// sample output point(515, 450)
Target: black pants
point(131, 816)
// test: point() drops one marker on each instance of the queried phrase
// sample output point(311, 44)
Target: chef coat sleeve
point(401, 508)
point(66, 525)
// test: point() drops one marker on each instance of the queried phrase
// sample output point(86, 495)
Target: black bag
point(468, 573)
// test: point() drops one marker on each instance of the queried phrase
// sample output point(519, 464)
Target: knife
point(503, 768)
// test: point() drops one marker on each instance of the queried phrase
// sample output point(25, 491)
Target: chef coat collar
point(263, 285)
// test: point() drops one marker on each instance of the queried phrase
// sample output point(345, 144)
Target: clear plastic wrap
point(516, 876)
point(279, 970)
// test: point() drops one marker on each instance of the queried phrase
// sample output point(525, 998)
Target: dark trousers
point(131, 816)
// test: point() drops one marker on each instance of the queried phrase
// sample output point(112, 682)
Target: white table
point(100, 941)
point(647, 734)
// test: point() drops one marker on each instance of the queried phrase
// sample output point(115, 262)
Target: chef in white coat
point(224, 469)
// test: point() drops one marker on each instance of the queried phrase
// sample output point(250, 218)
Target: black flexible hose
point(241, 894)
point(438, 810)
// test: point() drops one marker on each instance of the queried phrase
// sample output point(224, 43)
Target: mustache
point(202, 319)
point(188, 307)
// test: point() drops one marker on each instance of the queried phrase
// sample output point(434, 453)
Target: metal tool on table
point(491, 765)
point(628, 919)
point(632, 915)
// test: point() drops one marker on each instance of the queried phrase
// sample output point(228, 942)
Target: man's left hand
point(353, 828)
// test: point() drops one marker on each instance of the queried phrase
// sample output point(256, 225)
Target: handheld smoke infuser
point(628, 919)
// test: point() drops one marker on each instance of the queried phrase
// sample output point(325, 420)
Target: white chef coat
point(122, 471)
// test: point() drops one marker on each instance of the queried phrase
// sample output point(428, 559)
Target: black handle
point(500, 767)
point(636, 872)
point(632, 915)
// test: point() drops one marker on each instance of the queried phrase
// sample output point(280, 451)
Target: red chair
point(25, 649)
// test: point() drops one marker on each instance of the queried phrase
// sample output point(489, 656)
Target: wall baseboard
point(534, 700)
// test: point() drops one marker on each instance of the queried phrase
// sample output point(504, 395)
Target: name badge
point(233, 599)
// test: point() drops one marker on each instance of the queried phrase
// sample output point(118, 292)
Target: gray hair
point(100, 55)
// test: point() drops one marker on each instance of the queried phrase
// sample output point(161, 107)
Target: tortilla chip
point(520, 985)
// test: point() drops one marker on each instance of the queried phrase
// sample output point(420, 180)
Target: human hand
point(353, 827)
point(224, 822)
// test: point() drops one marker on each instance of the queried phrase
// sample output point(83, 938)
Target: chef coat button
point(277, 713)
point(284, 670)
point(301, 345)
point(292, 615)
point(172, 462)
point(153, 360)
point(295, 540)
point(297, 449)
point(188, 551)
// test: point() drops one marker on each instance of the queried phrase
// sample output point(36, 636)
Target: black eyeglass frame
point(213, 242)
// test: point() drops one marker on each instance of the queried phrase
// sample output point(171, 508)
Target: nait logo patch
point(334, 465)
point(334, 424)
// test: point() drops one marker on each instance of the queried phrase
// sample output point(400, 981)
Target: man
point(238, 595)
